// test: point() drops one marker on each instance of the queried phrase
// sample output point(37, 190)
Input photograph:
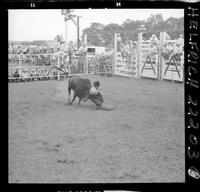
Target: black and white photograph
point(96, 95)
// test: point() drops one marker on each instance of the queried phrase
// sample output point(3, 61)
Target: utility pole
point(78, 32)
point(66, 32)
point(69, 16)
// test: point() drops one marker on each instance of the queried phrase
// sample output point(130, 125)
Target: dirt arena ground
point(141, 140)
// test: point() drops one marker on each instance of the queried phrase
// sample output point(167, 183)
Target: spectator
point(167, 51)
point(181, 40)
point(154, 40)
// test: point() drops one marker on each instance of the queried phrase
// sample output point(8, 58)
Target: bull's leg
point(85, 98)
point(80, 98)
point(69, 92)
point(75, 95)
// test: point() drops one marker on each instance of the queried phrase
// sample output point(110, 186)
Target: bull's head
point(96, 99)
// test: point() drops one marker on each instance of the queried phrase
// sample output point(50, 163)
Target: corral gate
point(172, 66)
point(124, 66)
point(148, 60)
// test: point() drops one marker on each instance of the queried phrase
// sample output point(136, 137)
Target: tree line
point(102, 35)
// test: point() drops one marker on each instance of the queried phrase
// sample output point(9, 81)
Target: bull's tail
point(66, 74)
point(60, 69)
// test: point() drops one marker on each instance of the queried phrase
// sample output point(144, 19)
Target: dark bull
point(81, 88)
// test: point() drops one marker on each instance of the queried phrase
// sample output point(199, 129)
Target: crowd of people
point(30, 49)
point(28, 63)
point(174, 50)
point(170, 47)
point(23, 75)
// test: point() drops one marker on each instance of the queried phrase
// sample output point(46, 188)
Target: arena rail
point(124, 66)
point(25, 67)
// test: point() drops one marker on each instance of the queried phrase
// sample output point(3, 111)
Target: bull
point(81, 88)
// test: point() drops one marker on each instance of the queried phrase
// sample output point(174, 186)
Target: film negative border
point(93, 4)
point(192, 69)
point(192, 96)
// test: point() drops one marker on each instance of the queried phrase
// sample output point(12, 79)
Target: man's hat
point(96, 83)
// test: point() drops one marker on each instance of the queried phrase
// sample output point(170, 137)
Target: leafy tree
point(112, 27)
point(97, 26)
point(103, 35)
point(95, 34)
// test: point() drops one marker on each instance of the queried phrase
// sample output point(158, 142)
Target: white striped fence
point(38, 65)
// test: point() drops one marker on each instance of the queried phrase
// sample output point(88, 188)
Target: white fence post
point(115, 53)
point(86, 61)
point(58, 77)
point(86, 65)
point(85, 39)
point(139, 61)
point(20, 66)
point(69, 60)
point(160, 63)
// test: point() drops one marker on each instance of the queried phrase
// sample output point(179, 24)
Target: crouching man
point(95, 95)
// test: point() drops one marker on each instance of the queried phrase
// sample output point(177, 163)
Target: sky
point(29, 25)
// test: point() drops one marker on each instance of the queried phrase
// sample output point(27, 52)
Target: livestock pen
point(141, 140)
